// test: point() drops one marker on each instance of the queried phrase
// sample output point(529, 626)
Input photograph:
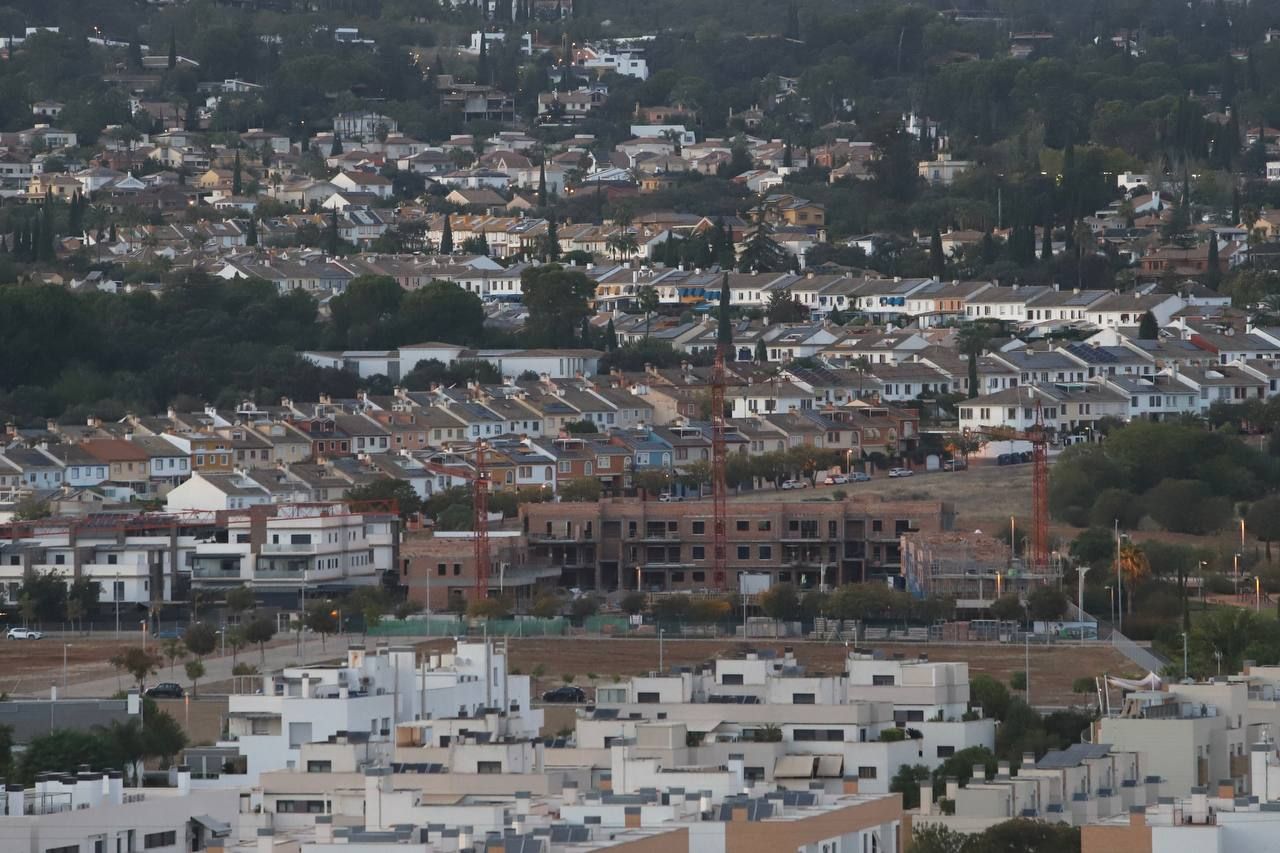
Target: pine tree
point(446, 237)
point(173, 50)
point(251, 233)
point(610, 337)
point(236, 178)
point(1148, 328)
point(989, 253)
point(542, 183)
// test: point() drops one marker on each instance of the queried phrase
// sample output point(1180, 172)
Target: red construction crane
point(719, 491)
point(1038, 436)
point(480, 523)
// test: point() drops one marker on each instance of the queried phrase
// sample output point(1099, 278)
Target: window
point(766, 552)
point(731, 678)
point(699, 577)
point(300, 806)
point(946, 751)
point(866, 773)
point(69, 848)
point(743, 524)
point(59, 559)
point(698, 552)
point(457, 569)
point(764, 524)
point(441, 569)
point(802, 699)
point(300, 539)
point(319, 766)
point(882, 680)
point(113, 559)
point(699, 528)
point(565, 466)
point(489, 767)
point(647, 698)
point(159, 839)
point(744, 552)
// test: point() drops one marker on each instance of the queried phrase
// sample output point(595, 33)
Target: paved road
point(217, 668)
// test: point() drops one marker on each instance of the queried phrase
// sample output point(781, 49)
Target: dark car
point(565, 694)
point(175, 633)
point(166, 690)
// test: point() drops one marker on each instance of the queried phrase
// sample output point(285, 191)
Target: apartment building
point(272, 716)
point(973, 568)
point(92, 812)
point(626, 543)
point(278, 550)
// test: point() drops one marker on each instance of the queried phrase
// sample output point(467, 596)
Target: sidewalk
point(217, 668)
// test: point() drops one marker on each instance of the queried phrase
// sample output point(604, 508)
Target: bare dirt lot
point(1053, 669)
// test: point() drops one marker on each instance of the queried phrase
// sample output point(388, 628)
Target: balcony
point(289, 548)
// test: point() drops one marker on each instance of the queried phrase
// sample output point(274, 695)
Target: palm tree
point(862, 364)
point(648, 302)
point(972, 342)
point(1133, 566)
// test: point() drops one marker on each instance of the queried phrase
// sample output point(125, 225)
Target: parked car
point(795, 484)
point(667, 497)
point(835, 480)
point(955, 465)
point(166, 690)
point(859, 477)
point(23, 634)
point(566, 693)
point(900, 472)
point(171, 633)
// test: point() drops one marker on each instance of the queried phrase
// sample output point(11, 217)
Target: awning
point(831, 766)
point(794, 767)
point(217, 828)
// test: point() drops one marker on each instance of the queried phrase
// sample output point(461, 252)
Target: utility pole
point(1119, 584)
point(1080, 573)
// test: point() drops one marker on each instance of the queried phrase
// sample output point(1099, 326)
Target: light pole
point(1080, 573)
point(1184, 654)
point(1111, 590)
point(661, 632)
point(1257, 594)
point(1013, 540)
point(1236, 563)
point(1119, 617)
point(65, 646)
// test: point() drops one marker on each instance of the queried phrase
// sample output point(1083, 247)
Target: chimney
point(184, 779)
point(953, 788)
point(1199, 805)
point(466, 835)
point(569, 793)
point(1226, 789)
point(523, 803)
point(926, 798)
point(324, 829)
point(15, 799)
point(266, 840)
point(1137, 816)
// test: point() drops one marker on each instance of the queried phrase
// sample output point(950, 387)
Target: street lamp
point(65, 646)
point(1112, 591)
point(1080, 573)
point(1257, 594)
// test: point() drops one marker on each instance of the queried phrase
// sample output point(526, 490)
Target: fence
point(455, 626)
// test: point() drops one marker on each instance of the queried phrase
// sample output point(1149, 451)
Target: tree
point(236, 177)
point(321, 618)
point(761, 253)
point(551, 242)
point(334, 239)
point(557, 300)
point(633, 603)
point(939, 839)
point(989, 695)
point(173, 49)
point(648, 302)
point(173, 650)
point(971, 343)
point(260, 630)
point(489, 608)
point(1047, 603)
point(399, 493)
point(1213, 271)
point(542, 183)
point(610, 337)
point(1007, 608)
point(1263, 521)
point(251, 232)
point(195, 672)
point(781, 602)
point(236, 641)
point(138, 662)
point(580, 490)
point(937, 258)
point(335, 149)
point(546, 606)
point(200, 639)
point(907, 783)
point(782, 308)
point(1148, 327)
point(239, 599)
point(724, 319)
point(446, 236)
point(63, 751)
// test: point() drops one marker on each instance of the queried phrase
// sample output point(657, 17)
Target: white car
point(795, 484)
point(23, 634)
point(835, 480)
point(900, 472)
point(667, 497)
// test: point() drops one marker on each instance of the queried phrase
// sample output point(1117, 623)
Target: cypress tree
point(1214, 270)
point(173, 50)
point(482, 64)
point(724, 319)
point(585, 336)
point(251, 234)
point(336, 148)
point(36, 238)
point(446, 237)
point(236, 185)
point(610, 337)
point(112, 233)
point(1046, 243)
point(542, 183)
point(333, 232)
point(937, 259)
point(552, 248)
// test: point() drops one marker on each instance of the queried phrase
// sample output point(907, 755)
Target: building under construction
point(973, 568)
